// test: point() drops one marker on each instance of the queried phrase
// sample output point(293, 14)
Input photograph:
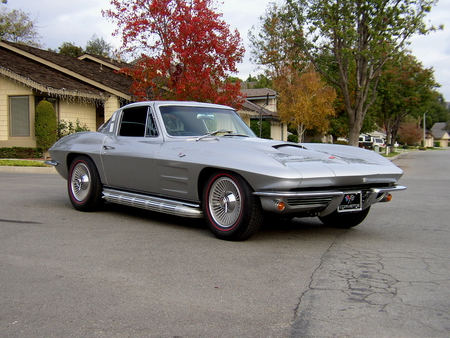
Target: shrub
point(66, 128)
point(45, 125)
point(293, 138)
point(254, 125)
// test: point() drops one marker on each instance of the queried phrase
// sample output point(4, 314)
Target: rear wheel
point(231, 211)
point(84, 185)
point(344, 220)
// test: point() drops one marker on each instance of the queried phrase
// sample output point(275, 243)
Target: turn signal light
point(280, 206)
point(388, 198)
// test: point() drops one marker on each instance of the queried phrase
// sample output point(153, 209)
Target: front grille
point(299, 201)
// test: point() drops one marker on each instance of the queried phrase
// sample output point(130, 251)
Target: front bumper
point(320, 202)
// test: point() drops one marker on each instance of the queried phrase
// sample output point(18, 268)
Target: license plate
point(352, 201)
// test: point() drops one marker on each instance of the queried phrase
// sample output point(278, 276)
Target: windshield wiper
point(236, 134)
point(214, 133)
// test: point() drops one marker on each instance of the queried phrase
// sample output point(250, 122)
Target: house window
point(20, 116)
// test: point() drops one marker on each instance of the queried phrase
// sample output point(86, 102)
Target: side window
point(152, 131)
point(133, 122)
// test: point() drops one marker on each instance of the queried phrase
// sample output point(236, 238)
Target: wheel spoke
point(80, 182)
point(225, 202)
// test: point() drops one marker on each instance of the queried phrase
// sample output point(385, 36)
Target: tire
point(84, 185)
point(344, 220)
point(231, 211)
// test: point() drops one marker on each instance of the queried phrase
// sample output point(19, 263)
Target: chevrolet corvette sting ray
point(201, 160)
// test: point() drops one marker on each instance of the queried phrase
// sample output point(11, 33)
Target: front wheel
point(231, 211)
point(344, 220)
point(84, 185)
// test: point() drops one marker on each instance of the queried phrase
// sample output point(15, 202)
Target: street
point(123, 272)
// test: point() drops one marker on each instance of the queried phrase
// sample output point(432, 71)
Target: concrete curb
point(28, 170)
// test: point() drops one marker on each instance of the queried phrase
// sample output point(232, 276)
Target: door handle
point(106, 147)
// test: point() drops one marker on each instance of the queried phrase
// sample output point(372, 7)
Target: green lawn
point(22, 163)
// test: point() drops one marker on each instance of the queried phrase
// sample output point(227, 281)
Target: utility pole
point(260, 114)
point(424, 128)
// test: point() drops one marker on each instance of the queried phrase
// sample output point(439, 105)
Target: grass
point(22, 163)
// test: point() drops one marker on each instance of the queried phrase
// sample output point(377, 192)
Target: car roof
point(176, 103)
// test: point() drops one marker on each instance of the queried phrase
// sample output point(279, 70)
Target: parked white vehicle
point(369, 142)
point(378, 141)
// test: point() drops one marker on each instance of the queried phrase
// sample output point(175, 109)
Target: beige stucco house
point(87, 88)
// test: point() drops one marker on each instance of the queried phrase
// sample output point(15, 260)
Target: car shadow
point(271, 228)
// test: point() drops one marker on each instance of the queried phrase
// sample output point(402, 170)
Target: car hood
point(316, 164)
point(325, 164)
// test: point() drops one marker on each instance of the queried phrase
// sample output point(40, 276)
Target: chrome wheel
point(80, 182)
point(231, 210)
point(225, 202)
point(84, 185)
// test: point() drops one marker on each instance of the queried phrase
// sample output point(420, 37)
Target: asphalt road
point(122, 272)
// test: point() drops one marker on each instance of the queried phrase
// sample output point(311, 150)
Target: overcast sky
point(76, 21)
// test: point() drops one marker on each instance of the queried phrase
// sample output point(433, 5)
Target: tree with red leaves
point(184, 50)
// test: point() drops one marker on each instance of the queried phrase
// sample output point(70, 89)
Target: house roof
point(63, 75)
point(440, 131)
point(255, 110)
point(259, 93)
point(87, 76)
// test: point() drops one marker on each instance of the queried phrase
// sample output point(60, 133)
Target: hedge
point(21, 152)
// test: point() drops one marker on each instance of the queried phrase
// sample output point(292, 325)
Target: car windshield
point(199, 121)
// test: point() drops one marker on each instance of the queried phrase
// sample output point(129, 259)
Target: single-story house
point(88, 89)
point(441, 134)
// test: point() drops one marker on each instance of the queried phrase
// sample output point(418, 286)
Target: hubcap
point(80, 182)
point(225, 202)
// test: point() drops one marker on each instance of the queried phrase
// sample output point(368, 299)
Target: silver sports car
point(201, 160)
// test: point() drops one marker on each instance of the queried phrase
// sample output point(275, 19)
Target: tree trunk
point(356, 118)
point(301, 132)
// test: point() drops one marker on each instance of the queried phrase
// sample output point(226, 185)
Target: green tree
point(437, 111)
point(98, 46)
point(349, 42)
point(70, 49)
point(260, 81)
point(405, 88)
point(17, 26)
point(46, 125)
point(272, 42)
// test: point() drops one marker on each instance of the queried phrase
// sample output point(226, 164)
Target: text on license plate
point(352, 201)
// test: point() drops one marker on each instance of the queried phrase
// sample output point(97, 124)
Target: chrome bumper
point(52, 162)
point(321, 203)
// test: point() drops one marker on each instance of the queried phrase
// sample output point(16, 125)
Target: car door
point(128, 153)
